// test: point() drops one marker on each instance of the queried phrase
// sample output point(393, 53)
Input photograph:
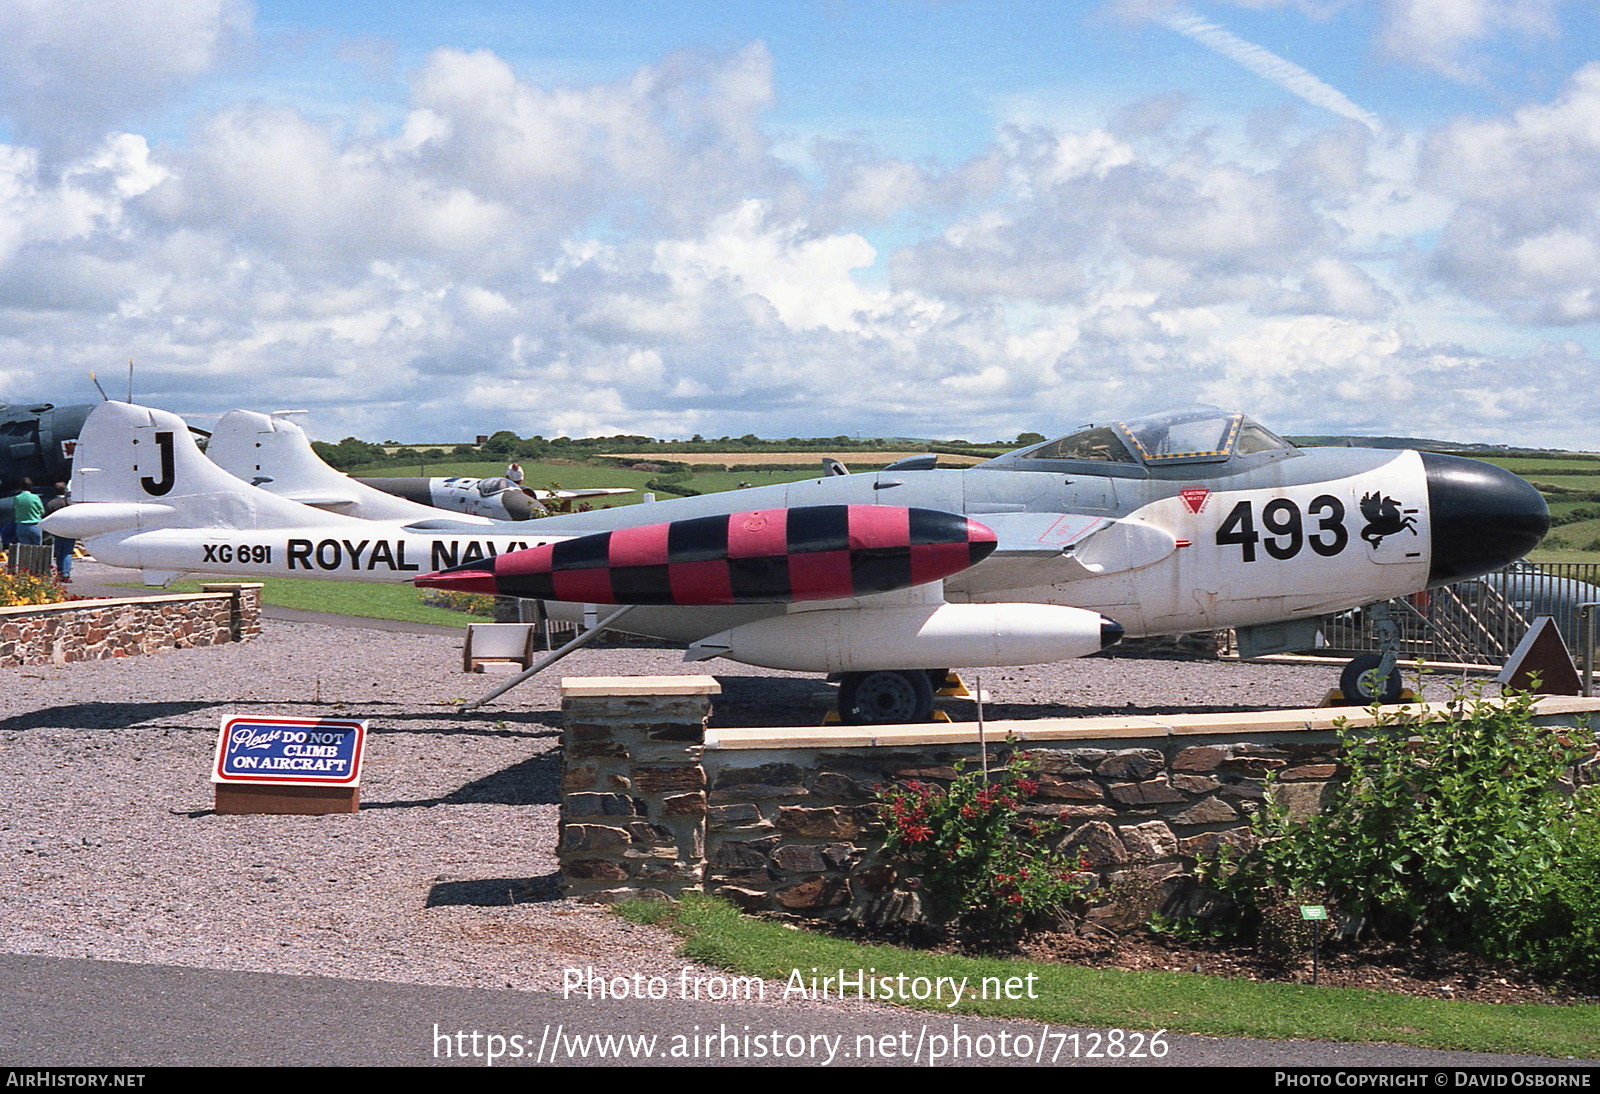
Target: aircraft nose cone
point(1483, 517)
point(518, 504)
point(1110, 632)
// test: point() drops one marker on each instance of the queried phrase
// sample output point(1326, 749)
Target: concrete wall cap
point(95, 605)
point(599, 687)
point(1311, 720)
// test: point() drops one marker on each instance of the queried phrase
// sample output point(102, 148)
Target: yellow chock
point(832, 718)
point(953, 688)
point(1335, 698)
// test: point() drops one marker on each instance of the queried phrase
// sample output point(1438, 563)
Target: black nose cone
point(1110, 632)
point(1483, 517)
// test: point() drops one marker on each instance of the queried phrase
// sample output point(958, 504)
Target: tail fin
point(275, 454)
point(145, 464)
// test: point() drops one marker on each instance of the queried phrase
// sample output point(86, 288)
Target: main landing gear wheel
point(885, 697)
point(1362, 686)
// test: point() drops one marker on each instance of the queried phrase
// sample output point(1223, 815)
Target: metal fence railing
point(1480, 621)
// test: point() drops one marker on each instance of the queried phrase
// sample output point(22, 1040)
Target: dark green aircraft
point(36, 442)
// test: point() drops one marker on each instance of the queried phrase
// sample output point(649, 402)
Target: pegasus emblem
point(1383, 518)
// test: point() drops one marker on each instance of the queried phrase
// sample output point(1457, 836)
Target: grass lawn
point(367, 599)
point(1067, 995)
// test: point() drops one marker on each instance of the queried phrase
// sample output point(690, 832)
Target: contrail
point(1266, 64)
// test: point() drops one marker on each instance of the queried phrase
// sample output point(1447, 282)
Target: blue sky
point(428, 221)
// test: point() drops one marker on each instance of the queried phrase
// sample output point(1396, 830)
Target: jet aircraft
point(1181, 521)
point(497, 498)
point(36, 442)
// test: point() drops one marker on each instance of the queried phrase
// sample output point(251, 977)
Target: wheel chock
point(832, 718)
point(1335, 698)
point(953, 688)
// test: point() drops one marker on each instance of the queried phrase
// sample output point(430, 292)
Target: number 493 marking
point(1285, 527)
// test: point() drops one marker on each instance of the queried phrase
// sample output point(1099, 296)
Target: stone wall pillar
point(633, 791)
point(244, 621)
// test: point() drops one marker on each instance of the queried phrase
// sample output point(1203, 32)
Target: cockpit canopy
point(488, 488)
point(1200, 434)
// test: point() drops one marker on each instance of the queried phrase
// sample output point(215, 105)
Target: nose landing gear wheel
point(1362, 686)
point(885, 697)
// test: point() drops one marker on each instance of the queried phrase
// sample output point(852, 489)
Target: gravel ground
point(109, 848)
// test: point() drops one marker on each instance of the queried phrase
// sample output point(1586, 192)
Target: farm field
point(1532, 465)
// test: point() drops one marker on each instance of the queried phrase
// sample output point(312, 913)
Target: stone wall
point(799, 833)
point(783, 820)
point(633, 797)
point(96, 630)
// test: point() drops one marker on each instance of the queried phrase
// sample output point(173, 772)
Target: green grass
point(1559, 486)
point(1575, 537)
point(1531, 466)
point(366, 599)
point(1067, 995)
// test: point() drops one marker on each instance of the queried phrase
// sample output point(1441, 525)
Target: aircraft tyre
point(1360, 685)
point(885, 697)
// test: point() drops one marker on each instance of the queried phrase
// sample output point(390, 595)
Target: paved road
point(63, 1012)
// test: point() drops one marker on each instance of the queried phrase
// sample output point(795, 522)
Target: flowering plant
point(21, 588)
point(985, 865)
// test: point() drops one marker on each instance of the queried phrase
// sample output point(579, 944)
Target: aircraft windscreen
point(490, 487)
point(1202, 434)
point(1199, 434)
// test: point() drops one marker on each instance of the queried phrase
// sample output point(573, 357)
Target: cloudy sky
point(951, 218)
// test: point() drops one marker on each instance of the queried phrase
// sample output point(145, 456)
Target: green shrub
point(1560, 931)
point(1453, 830)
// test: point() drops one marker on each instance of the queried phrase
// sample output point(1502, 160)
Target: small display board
point(289, 765)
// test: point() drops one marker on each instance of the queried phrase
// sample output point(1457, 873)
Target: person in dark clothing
point(63, 546)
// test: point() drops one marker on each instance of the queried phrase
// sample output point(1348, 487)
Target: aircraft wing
point(582, 492)
point(463, 525)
